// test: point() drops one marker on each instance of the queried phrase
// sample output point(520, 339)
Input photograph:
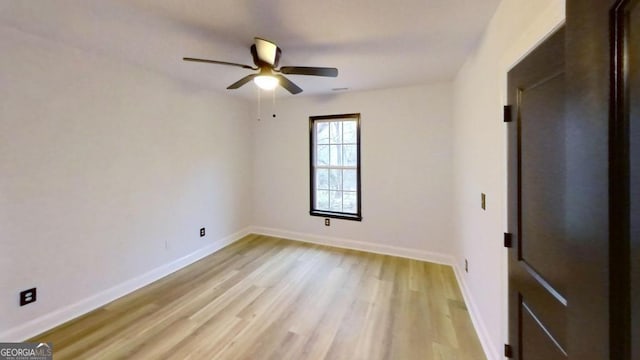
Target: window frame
point(312, 175)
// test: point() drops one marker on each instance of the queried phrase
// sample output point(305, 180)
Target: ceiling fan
point(266, 56)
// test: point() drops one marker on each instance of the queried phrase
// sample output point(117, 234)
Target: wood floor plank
point(271, 298)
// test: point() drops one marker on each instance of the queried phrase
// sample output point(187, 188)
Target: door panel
point(536, 342)
point(542, 180)
point(547, 308)
point(537, 220)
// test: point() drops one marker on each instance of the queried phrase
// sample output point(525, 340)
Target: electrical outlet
point(466, 266)
point(483, 201)
point(27, 296)
point(201, 232)
point(327, 222)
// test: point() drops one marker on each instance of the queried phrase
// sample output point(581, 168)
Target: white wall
point(108, 171)
point(405, 165)
point(479, 154)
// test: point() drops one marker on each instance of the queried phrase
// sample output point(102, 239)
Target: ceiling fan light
point(266, 82)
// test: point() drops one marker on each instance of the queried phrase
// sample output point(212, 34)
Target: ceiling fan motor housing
point(261, 64)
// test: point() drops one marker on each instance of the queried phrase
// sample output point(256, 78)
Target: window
point(334, 144)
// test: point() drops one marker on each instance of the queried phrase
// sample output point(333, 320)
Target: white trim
point(483, 334)
point(356, 245)
point(62, 315)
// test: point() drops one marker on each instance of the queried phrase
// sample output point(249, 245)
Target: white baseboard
point(485, 340)
point(62, 315)
point(356, 245)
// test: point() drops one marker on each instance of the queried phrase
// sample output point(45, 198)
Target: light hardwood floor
point(268, 298)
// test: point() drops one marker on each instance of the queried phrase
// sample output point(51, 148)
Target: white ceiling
point(374, 43)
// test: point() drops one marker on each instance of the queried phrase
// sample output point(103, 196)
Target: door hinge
point(507, 113)
point(508, 351)
point(508, 242)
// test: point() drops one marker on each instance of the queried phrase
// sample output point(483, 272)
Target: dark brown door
point(537, 187)
point(574, 189)
point(632, 118)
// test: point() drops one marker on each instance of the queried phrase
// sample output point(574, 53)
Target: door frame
point(619, 174)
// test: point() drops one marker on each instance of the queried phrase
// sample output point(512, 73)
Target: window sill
point(335, 215)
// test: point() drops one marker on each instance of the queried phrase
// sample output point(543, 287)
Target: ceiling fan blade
point(266, 51)
point(315, 71)
point(242, 81)
point(219, 63)
point(289, 85)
